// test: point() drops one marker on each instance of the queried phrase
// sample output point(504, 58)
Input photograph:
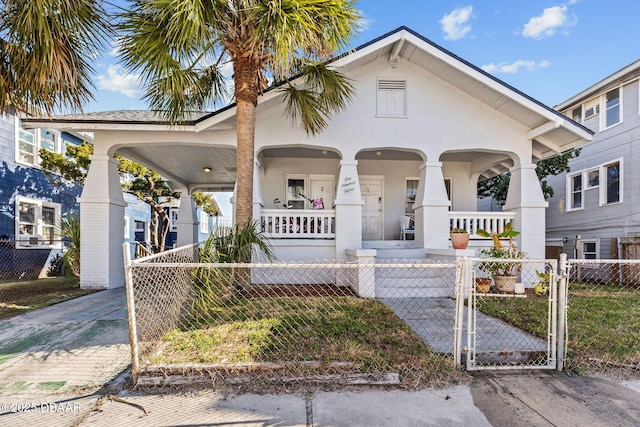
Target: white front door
point(371, 190)
point(324, 189)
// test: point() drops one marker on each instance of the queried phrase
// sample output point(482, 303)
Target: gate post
point(462, 280)
point(562, 310)
point(131, 311)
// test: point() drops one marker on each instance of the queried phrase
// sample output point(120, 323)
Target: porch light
point(206, 169)
point(378, 153)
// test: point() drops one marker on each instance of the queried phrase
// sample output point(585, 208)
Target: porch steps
point(401, 253)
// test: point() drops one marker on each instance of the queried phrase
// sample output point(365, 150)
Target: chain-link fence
point(603, 317)
point(292, 323)
point(512, 312)
point(25, 262)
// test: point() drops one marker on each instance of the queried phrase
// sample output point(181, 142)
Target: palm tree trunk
point(246, 91)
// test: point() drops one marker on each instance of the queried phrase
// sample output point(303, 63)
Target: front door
point(371, 190)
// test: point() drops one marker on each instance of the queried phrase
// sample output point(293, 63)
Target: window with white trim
point(29, 142)
point(204, 222)
point(589, 249)
point(37, 222)
point(593, 178)
point(391, 98)
point(173, 218)
point(613, 108)
point(611, 188)
point(575, 191)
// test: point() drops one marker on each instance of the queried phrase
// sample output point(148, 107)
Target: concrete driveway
point(75, 346)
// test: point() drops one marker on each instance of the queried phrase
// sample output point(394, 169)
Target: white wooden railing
point(298, 223)
point(493, 222)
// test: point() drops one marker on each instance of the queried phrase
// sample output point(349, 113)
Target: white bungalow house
point(424, 127)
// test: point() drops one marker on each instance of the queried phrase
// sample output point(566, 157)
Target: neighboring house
point(206, 224)
point(31, 208)
point(422, 129)
point(598, 199)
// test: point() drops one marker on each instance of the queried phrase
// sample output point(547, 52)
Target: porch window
point(391, 98)
point(612, 105)
point(296, 190)
point(36, 222)
point(611, 188)
point(410, 195)
point(576, 192)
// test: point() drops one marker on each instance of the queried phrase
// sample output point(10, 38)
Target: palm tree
point(180, 47)
point(45, 51)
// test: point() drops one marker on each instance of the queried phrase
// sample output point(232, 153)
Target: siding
point(617, 142)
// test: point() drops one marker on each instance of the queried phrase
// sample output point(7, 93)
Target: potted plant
point(504, 272)
point(459, 238)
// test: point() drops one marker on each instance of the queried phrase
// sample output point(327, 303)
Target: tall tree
point(498, 186)
point(180, 47)
point(45, 51)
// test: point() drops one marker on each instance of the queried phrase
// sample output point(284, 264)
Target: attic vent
point(384, 84)
point(391, 98)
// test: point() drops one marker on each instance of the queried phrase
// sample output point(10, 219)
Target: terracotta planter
point(459, 240)
point(505, 284)
point(483, 284)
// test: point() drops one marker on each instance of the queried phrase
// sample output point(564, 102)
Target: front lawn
point(21, 297)
point(296, 329)
point(603, 321)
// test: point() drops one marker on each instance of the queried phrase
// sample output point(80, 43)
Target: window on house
point(173, 218)
point(589, 249)
point(611, 188)
point(576, 191)
point(576, 114)
point(612, 104)
point(37, 222)
point(410, 195)
point(591, 108)
point(204, 222)
point(391, 98)
point(593, 178)
point(29, 141)
point(296, 190)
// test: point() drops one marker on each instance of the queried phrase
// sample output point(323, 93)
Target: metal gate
point(501, 328)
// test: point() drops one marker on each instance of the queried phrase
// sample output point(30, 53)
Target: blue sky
point(550, 50)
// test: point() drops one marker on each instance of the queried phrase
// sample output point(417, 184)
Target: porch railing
point(492, 222)
point(298, 223)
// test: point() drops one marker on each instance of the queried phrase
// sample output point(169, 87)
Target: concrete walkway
point(433, 320)
point(76, 345)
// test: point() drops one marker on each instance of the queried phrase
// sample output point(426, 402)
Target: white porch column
point(348, 209)
point(102, 226)
point(525, 198)
point(187, 220)
point(431, 208)
point(258, 203)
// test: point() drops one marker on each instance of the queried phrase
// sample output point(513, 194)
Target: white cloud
point(547, 24)
point(117, 81)
point(455, 25)
point(514, 67)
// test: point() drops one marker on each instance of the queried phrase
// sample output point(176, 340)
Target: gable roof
point(550, 131)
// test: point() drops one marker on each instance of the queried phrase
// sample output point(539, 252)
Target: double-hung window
point(589, 249)
point(37, 222)
point(613, 110)
point(576, 191)
point(611, 188)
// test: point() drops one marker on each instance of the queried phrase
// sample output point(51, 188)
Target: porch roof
point(550, 131)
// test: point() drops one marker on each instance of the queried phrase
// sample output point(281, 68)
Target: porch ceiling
point(183, 165)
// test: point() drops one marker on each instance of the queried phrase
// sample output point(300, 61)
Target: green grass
point(21, 297)
point(603, 320)
point(296, 329)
